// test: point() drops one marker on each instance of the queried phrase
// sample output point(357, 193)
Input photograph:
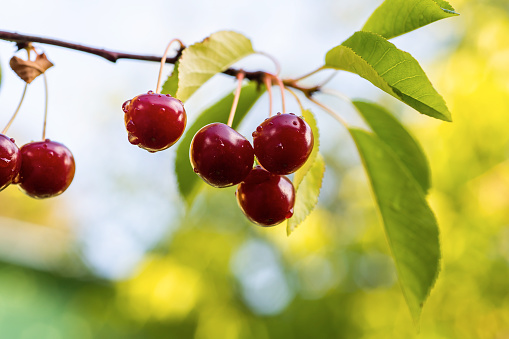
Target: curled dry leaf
point(29, 70)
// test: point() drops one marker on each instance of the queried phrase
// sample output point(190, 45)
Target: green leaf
point(203, 60)
point(307, 193)
point(307, 180)
point(394, 135)
point(390, 69)
point(188, 181)
point(301, 172)
point(409, 223)
point(397, 17)
point(170, 86)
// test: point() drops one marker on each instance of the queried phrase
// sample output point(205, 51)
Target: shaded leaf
point(390, 69)
point(188, 181)
point(307, 193)
point(394, 135)
point(409, 223)
point(170, 86)
point(397, 17)
point(203, 60)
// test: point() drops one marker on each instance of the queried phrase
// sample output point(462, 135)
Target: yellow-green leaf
point(409, 223)
point(203, 60)
point(395, 135)
point(306, 195)
point(397, 17)
point(390, 69)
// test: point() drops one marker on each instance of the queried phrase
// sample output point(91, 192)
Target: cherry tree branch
point(23, 40)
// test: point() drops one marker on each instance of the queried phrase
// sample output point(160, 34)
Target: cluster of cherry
point(222, 157)
point(42, 169)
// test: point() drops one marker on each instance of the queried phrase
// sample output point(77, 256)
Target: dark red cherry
point(10, 161)
point(266, 199)
point(220, 155)
point(283, 143)
point(154, 121)
point(47, 169)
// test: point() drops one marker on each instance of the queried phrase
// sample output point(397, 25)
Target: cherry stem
point(309, 74)
point(268, 83)
point(163, 61)
point(296, 98)
point(337, 94)
point(282, 88)
point(330, 111)
point(240, 77)
point(45, 106)
point(16, 112)
point(274, 60)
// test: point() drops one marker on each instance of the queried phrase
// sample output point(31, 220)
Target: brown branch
point(112, 56)
point(23, 40)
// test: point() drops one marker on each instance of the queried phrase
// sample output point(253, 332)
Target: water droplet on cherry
point(289, 214)
point(133, 139)
point(259, 128)
point(294, 123)
point(125, 106)
point(196, 170)
point(12, 140)
point(131, 127)
point(150, 92)
point(4, 162)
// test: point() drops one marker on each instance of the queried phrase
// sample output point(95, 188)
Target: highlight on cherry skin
point(221, 156)
point(10, 161)
point(283, 143)
point(153, 121)
point(266, 199)
point(47, 169)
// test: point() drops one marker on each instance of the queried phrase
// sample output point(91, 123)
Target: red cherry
point(47, 169)
point(283, 143)
point(220, 155)
point(266, 199)
point(10, 161)
point(154, 121)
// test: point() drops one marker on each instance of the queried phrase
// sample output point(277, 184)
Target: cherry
point(154, 121)
point(220, 155)
point(266, 199)
point(283, 143)
point(10, 161)
point(47, 169)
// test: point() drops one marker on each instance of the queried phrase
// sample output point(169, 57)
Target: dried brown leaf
point(29, 70)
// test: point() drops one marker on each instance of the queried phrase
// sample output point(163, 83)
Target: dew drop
point(133, 139)
point(278, 113)
point(12, 140)
point(221, 143)
point(266, 119)
point(289, 214)
point(271, 123)
point(45, 146)
point(150, 92)
point(47, 140)
point(255, 134)
point(294, 123)
point(4, 162)
point(51, 155)
point(159, 96)
point(292, 113)
point(131, 127)
point(259, 129)
point(168, 95)
point(196, 170)
point(125, 106)
point(279, 146)
point(162, 110)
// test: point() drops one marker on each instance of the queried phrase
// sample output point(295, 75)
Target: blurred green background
point(118, 257)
